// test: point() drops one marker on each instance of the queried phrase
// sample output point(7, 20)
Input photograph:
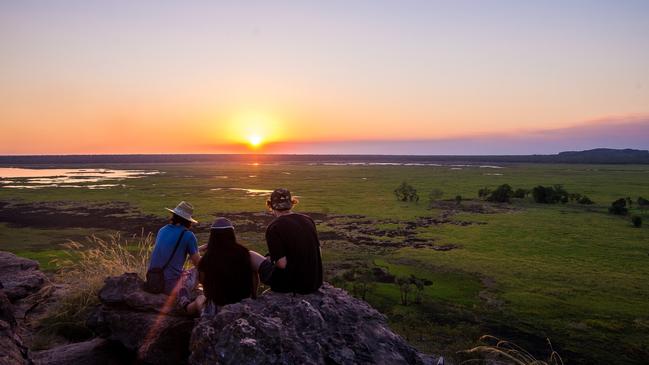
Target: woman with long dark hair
point(225, 270)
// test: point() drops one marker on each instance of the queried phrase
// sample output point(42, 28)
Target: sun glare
point(253, 130)
point(255, 140)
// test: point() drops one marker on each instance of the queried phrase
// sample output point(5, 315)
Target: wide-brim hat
point(184, 210)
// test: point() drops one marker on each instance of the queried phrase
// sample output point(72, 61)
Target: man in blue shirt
point(173, 244)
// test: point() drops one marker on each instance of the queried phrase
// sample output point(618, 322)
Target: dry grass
point(497, 351)
point(86, 268)
point(83, 272)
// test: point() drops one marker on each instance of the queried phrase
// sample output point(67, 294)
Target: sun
point(255, 140)
point(253, 129)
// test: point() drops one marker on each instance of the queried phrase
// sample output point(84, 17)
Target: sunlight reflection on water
point(22, 178)
point(252, 192)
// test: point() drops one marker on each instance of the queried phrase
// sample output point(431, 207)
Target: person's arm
point(192, 251)
point(202, 249)
point(196, 259)
point(281, 263)
point(276, 248)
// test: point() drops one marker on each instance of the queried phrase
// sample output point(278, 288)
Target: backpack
point(155, 276)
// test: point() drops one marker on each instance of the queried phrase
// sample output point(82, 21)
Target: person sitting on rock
point(226, 270)
point(174, 243)
point(295, 264)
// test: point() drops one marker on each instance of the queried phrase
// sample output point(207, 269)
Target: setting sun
point(252, 129)
point(255, 140)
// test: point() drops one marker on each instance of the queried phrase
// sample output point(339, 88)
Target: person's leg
point(196, 306)
point(262, 266)
point(255, 260)
point(189, 298)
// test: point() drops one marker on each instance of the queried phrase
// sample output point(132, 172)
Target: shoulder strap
point(175, 248)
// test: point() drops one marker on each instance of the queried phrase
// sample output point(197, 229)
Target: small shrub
point(637, 221)
point(502, 194)
point(362, 281)
point(618, 207)
point(561, 194)
point(520, 193)
point(585, 200)
point(433, 196)
point(574, 197)
point(484, 193)
point(405, 192)
point(405, 286)
point(643, 203)
point(550, 194)
point(458, 199)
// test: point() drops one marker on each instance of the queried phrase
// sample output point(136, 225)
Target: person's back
point(294, 236)
point(225, 270)
point(164, 248)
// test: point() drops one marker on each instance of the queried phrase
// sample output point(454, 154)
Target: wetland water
point(25, 178)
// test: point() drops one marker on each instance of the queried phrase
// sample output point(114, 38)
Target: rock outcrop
point(20, 277)
point(12, 349)
point(147, 324)
point(97, 351)
point(326, 327)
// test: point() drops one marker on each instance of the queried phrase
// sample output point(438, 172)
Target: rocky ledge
point(146, 324)
point(326, 327)
point(12, 349)
point(20, 277)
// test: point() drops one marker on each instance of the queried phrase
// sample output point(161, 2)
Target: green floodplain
point(525, 272)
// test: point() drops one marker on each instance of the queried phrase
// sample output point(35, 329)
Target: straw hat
point(185, 210)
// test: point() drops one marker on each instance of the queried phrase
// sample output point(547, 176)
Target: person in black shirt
point(295, 263)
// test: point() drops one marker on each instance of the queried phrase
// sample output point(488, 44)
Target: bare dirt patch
point(356, 230)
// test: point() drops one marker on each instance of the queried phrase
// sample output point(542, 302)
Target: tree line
point(554, 194)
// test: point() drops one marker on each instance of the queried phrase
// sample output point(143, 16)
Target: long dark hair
point(227, 275)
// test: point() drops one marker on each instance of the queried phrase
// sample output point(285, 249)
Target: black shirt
point(294, 236)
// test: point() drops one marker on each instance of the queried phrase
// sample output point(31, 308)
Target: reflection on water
point(251, 192)
point(20, 178)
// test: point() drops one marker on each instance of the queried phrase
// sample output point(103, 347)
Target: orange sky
point(124, 77)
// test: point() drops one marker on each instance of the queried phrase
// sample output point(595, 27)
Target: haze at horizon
point(421, 77)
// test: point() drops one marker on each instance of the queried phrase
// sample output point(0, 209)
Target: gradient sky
point(456, 77)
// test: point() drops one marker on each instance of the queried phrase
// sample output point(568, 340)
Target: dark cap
point(281, 199)
point(222, 223)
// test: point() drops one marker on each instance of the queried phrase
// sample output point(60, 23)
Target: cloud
point(628, 132)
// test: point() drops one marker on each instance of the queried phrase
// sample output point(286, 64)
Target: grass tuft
point(82, 274)
point(504, 352)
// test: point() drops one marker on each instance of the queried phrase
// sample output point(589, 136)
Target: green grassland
point(569, 272)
